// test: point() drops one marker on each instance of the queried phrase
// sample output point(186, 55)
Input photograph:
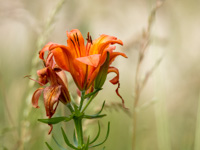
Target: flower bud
point(101, 77)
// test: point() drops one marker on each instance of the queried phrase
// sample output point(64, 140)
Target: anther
point(88, 37)
point(72, 42)
point(77, 39)
point(91, 40)
point(74, 37)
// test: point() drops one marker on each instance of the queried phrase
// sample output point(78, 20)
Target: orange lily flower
point(56, 91)
point(84, 61)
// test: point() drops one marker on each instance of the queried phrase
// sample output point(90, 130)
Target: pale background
point(168, 117)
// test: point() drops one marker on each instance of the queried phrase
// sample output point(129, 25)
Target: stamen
point(88, 37)
point(29, 77)
point(77, 39)
point(74, 37)
point(77, 53)
point(72, 42)
point(91, 40)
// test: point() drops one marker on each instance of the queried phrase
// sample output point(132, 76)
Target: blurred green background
point(169, 106)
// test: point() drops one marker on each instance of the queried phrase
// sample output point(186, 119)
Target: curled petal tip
point(36, 96)
point(120, 42)
point(117, 92)
point(45, 48)
point(125, 56)
point(51, 128)
point(115, 80)
point(52, 46)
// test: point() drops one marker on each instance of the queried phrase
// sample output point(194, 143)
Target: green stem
point(79, 131)
point(82, 99)
point(70, 107)
point(89, 101)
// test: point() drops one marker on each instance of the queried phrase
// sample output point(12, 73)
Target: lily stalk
point(88, 65)
point(79, 131)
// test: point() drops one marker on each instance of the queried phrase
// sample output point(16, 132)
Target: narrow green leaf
point(97, 114)
point(58, 144)
point(92, 93)
point(54, 120)
point(87, 144)
point(68, 119)
point(75, 139)
point(99, 130)
point(104, 148)
point(102, 107)
point(108, 131)
point(50, 148)
point(66, 139)
point(94, 116)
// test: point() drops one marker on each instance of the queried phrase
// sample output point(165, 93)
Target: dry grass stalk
point(139, 86)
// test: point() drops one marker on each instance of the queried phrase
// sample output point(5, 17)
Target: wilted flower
point(56, 90)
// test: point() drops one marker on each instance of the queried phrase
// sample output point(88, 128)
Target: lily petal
point(42, 74)
point(45, 48)
point(100, 44)
point(51, 95)
point(115, 80)
point(36, 96)
point(62, 56)
point(63, 77)
point(76, 41)
point(49, 60)
point(92, 60)
point(51, 128)
point(113, 55)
